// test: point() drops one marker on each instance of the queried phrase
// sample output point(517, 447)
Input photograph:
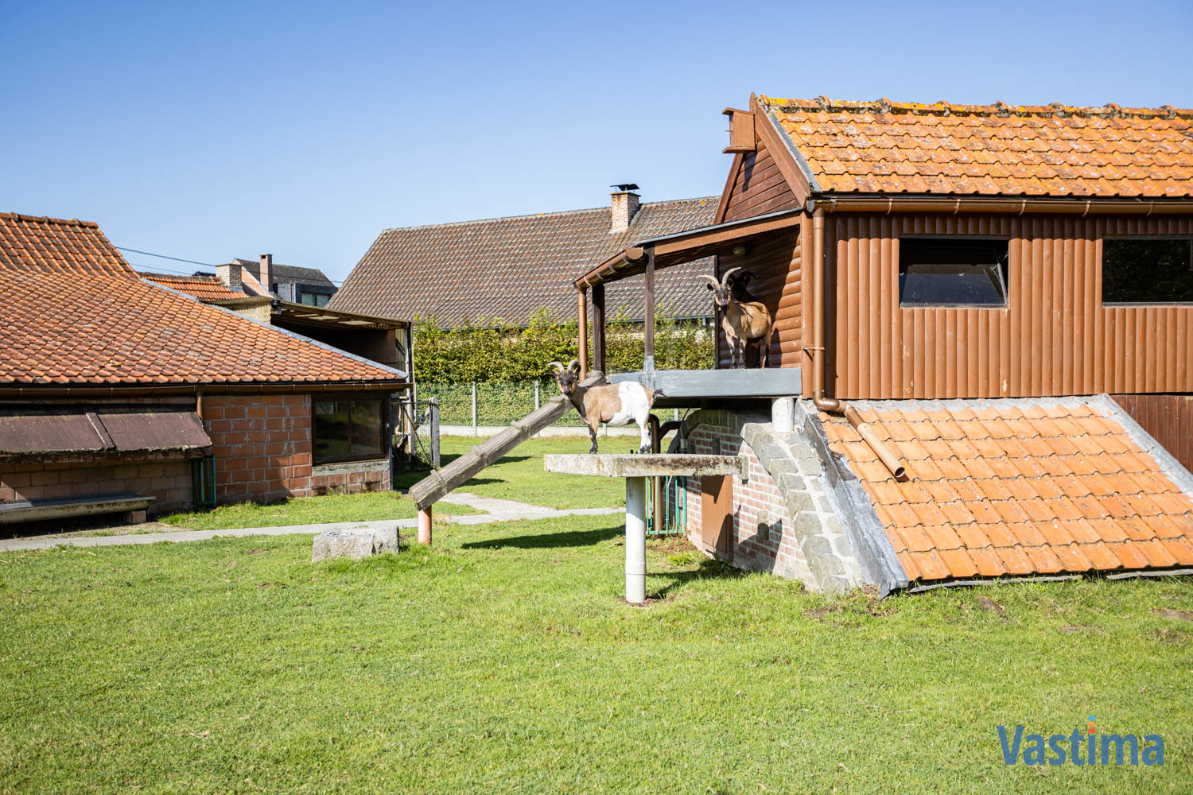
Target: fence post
point(434, 411)
point(538, 403)
point(474, 430)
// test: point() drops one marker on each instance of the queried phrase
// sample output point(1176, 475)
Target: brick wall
point(168, 480)
point(762, 525)
point(263, 452)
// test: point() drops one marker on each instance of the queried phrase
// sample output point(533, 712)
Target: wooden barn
point(995, 300)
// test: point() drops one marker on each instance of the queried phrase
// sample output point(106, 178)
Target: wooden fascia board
point(730, 181)
point(782, 151)
point(715, 237)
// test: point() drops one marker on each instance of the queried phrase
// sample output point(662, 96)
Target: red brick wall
point(762, 534)
point(169, 481)
point(262, 448)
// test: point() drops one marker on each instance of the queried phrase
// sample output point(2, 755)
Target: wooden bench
point(134, 506)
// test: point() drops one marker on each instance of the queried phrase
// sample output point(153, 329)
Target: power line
point(166, 256)
point(160, 269)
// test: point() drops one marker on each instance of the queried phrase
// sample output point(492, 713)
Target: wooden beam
point(598, 327)
point(649, 315)
point(582, 332)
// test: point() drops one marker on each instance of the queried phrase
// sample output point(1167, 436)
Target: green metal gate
point(672, 516)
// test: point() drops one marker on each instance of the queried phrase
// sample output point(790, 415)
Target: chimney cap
point(623, 187)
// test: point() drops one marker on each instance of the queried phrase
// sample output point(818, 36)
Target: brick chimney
point(266, 277)
point(230, 275)
point(625, 206)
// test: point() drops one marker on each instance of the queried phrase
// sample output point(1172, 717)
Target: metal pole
point(474, 430)
point(424, 526)
point(538, 398)
point(434, 417)
point(635, 540)
point(648, 357)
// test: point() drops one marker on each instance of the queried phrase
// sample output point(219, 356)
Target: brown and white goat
point(745, 323)
point(612, 404)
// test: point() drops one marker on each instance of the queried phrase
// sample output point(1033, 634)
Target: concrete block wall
point(263, 452)
point(167, 480)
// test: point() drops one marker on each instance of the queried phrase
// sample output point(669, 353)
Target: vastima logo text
point(1080, 748)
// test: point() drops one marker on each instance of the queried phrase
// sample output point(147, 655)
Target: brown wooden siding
point(776, 264)
point(1168, 418)
point(1053, 338)
point(758, 187)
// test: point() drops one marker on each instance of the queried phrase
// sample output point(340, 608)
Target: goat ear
point(744, 278)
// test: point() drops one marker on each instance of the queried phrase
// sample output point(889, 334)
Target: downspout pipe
point(817, 273)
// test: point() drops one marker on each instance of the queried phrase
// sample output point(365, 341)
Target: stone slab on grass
point(354, 544)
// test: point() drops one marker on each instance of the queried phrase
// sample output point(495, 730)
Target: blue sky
point(303, 129)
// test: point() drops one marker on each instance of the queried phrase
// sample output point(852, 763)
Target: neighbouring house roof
point(1020, 487)
point(30, 243)
point(201, 286)
point(508, 268)
point(1054, 150)
point(285, 274)
point(70, 317)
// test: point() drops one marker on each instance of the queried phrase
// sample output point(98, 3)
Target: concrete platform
point(648, 466)
point(636, 469)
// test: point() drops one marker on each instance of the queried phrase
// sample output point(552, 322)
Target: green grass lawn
point(520, 476)
point(503, 660)
point(364, 507)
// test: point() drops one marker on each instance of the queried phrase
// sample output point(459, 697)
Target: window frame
point(386, 441)
point(1004, 278)
point(1146, 239)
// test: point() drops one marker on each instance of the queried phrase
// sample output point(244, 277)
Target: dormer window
point(952, 271)
point(1156, 270)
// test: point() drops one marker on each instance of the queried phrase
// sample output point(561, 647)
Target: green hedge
point(495, 351)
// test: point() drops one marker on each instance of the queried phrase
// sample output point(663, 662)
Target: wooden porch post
point(598, 328)
point(648, 364)
point(582, 331)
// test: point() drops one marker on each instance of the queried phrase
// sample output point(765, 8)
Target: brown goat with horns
point(744, 322)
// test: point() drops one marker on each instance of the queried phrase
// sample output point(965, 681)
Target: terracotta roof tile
point(205, 288)
point(32, 244)
point(73, 313)
point(509, 268)
point(990, 149)
point(1063, 495)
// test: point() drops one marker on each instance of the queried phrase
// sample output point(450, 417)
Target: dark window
point(349, 429)
point(952, 271)
point(1147, 271)
point(315, 299)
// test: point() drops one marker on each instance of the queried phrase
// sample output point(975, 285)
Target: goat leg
point(592, 434)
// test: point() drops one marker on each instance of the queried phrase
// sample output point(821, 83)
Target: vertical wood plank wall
point(1168, 418)
point(1054, 337)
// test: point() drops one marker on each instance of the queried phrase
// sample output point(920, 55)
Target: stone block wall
point(784, 521)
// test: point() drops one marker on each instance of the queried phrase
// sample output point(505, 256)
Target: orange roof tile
point(30, 243)
point(205, 288)
point(1054, 150)
point(70, 315)
point(1060, 508)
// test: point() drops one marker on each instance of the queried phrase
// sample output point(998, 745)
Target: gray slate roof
point(507, 268)
point(285, 274)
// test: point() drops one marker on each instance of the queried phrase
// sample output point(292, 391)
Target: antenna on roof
point(624, 186)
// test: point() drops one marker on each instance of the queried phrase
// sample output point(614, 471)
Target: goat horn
point(725, 275)
point(574, 364)
point(557, 365)
point(712, 279)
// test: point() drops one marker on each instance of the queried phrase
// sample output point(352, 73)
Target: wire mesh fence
point(491, 403)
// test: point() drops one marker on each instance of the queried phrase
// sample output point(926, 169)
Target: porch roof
point(686, 246)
